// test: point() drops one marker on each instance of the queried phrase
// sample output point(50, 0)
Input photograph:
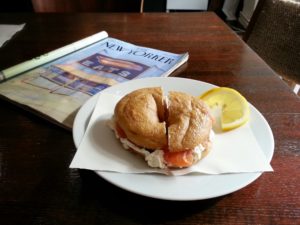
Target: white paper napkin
point(7, 31)
point(236, 151)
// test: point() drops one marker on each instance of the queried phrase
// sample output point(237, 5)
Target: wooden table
point(36, 184)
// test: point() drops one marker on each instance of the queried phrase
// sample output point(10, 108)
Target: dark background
point(105, 5)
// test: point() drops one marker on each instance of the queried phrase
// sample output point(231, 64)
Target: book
point(57, 84)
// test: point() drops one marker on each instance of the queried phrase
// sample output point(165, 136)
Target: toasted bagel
point(173, 133)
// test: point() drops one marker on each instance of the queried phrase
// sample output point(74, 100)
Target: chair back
point(273, 33)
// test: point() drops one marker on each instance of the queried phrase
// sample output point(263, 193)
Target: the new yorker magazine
point(58, 88)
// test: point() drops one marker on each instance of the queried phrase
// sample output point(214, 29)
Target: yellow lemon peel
point(234, 107)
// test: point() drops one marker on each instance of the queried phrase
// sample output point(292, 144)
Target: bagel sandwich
point(173, 131)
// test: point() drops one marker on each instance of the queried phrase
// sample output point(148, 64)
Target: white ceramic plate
point(181, 188)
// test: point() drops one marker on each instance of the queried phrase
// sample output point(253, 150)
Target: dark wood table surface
point(36, 184)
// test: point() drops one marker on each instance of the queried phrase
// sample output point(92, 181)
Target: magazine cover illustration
point(59, 88)
point(89, 75)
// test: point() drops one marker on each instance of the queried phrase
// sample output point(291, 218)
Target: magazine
point(62, 80)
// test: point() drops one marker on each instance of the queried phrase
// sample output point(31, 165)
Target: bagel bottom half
point(169, 132)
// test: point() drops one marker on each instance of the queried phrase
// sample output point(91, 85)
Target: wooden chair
point(87, 5)
point(274, 33)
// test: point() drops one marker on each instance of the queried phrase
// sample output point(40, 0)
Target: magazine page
point(58, 89)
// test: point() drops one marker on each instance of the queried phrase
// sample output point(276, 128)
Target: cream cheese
point(156, 159)
point(153, 159)
point(197, 153)
point(127, 144)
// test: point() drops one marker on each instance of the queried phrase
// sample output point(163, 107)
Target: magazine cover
point(57, 89)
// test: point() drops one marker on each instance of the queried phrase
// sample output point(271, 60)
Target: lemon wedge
point(233, 106)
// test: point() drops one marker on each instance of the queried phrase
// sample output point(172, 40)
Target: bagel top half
point(141, 116)
point(181, 123)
